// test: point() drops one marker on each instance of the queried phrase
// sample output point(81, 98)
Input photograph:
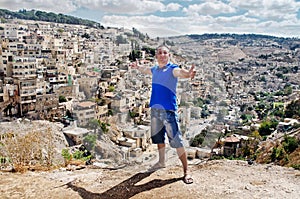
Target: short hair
point(163, 46)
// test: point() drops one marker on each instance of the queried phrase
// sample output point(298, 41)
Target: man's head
point(162, 55)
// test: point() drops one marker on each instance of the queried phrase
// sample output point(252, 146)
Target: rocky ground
point(212, 179)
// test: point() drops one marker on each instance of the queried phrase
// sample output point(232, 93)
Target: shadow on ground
point(125, 189)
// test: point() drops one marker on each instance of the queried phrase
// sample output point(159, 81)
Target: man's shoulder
point(172, 65)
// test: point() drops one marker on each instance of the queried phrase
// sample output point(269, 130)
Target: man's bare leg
point(161, 154)
point(183, 158)
point(161, 158)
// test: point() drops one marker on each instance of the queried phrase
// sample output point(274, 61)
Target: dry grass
point(29, 150)
point(294, 158)
point(288, 160)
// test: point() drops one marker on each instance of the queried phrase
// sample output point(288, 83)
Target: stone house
point(231, 146)
point(135, 139)
point(75, 134)
point(83, 112)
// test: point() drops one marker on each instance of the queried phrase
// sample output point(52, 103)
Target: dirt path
point(212, 179)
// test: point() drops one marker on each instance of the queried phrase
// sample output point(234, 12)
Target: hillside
point(129, 179)
point(47, 16)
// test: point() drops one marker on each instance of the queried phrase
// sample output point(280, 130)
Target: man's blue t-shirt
point(164, 86)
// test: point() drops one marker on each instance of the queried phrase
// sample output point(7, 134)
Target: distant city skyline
point(161, 18)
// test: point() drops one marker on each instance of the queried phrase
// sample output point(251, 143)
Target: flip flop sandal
point(187, 179)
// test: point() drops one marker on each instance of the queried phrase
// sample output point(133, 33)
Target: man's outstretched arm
point(142, 68)
point(184, 73)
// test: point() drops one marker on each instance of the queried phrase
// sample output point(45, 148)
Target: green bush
point(90, 141)
point(290, 144)
point(62, 99)
point(66, 154)
point(278, 153)
point(267, 127)
point(296, 166)
point(78, 154)
point(198, 139)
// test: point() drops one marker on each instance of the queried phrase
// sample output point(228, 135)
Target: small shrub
point(290, 144)
point(66, 155)
point(296, 166)
point(77, 155)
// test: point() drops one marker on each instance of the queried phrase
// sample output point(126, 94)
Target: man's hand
point(185, 73)
point(192, 71)
point(135, 65)
point(141, 67)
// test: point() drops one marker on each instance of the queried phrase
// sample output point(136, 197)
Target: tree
point(198, 139)
point(262, 79)
point(111, 88)
point(104, 126)
point(287, 90)
point(246, 117)
point(267, 127)
point(60, 30)
point(198, 102)
point(134, 55)
point(69, 114)
point(90, 141)
point(62, 99)
point(293, 109)
point(121, 40)
point(94, 124)
point(204, 112)
point(85, 35)
point(290, 144)
point(279, 112)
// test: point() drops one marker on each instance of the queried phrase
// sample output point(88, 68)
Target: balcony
point(28, 101)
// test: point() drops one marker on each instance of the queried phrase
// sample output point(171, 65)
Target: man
point(163, 103)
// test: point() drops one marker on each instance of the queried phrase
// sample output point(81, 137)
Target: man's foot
point(187, 179)
point(157, 166)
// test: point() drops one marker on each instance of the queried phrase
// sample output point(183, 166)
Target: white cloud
point(209, 8)
point(290, 29)
point(146, 24)
point(152, 25)
point(172, 7)
point(48, 6)
point(156, 26)
point(276, 10)
point(197, 17)
point(233, 21)
point(160, 26)
point(128, 7)
point(248, 5)
point(105, 6)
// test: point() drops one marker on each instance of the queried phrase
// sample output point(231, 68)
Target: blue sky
point(160, 18)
